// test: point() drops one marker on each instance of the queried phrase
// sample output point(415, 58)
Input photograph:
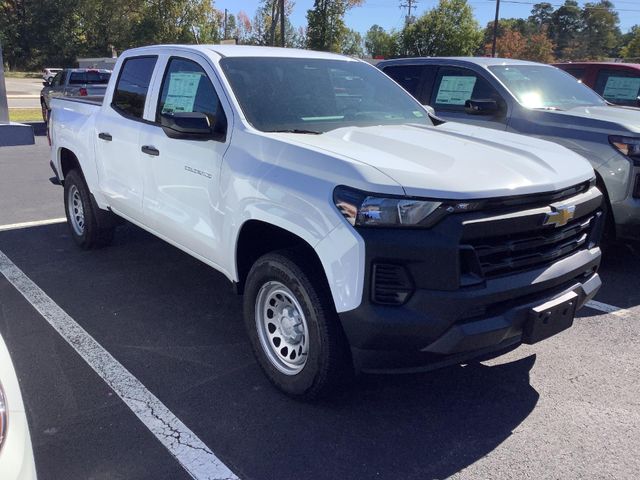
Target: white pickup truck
point(364, 234)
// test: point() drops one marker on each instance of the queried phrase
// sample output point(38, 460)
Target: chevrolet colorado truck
point(363, 234)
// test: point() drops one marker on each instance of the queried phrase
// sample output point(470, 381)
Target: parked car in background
point(74, 82)
point(617, 83)
point(16, 452)
point(542, 101)
point(49, 73)
point(360, 233)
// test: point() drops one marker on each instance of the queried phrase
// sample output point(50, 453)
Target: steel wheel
point(76, 210)
point(282, 328)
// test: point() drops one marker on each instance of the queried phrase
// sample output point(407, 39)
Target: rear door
point(453, 86)
point(182, 184)
point(118, 129)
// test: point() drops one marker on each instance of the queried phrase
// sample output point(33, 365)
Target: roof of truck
point(246, 51)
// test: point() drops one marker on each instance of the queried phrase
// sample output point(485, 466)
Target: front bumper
point(448, 307)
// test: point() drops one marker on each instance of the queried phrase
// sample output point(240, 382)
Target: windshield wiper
point(547, 108)
point(295, 130)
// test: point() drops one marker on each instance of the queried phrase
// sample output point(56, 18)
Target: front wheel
point(294, 329)
point(82, 217)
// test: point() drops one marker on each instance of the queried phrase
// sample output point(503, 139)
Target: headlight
point(628, 146)
point(362, 209)
point(3, 417)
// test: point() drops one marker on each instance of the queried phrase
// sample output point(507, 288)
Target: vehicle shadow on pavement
point(620, 267)
point(174, 323)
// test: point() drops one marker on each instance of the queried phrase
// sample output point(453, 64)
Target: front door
point(182, 184)
point(453, 86)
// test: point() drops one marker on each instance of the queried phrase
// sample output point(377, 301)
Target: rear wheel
point(83, 219)
point(294, 329)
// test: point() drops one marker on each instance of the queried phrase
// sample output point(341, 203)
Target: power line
point(409, 5)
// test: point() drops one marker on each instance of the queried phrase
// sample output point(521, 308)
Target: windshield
point(541, 86)
point(315, 95)
point(89, 77)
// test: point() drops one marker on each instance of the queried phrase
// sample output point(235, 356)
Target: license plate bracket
point(550, 318)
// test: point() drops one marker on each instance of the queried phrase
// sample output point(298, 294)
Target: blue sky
point(387, 13)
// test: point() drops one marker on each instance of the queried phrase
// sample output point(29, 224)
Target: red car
point(618, 83)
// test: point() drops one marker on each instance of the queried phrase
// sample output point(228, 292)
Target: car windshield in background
point(314, 95)
point(90, 77)
point(540, 86)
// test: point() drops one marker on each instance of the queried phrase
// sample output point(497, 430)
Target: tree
point(540, 48)
point(379, 43)
point(631, 50)
point(541, 15)
point(326, 29)
point(266, 24)
point(511, 44)
point(352, 44)
point(565, 30)
point(448, 29)
point(601, 34)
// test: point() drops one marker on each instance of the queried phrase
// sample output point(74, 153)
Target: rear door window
point(618, 86)
point(454, 86)
point(408, 76)
point(131, 90)
point(576, 72)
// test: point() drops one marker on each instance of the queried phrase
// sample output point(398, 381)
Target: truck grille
point(504, 254)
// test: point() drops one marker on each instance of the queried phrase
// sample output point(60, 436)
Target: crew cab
point(363, 234)
point(537, 100)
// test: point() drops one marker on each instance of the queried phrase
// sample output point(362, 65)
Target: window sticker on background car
point(181, 96)
point(455, 90)
point(621, 88)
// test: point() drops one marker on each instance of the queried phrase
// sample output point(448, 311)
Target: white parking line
point(606, 308)
point(194, 456)
point(35, 223)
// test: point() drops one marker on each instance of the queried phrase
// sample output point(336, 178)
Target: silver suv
point(540, 101)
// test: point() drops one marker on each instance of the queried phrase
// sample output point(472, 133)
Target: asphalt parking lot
point(566, 408)
point(23, 92)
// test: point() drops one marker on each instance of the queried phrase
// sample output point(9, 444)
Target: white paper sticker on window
point(621, 88)
point(455, 90)
point(181, 94)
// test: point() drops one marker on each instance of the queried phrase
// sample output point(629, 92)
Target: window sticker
point(621, 88)
point(181, 94)
point(455, 90)
point(418, 114)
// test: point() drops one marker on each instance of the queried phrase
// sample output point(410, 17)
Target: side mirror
point(481, 107)
point(430, 110)
point(434, 117)
point(46, 83)
point(189, 126)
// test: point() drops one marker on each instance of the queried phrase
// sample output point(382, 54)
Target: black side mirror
point(189, 126)
point(481, 107)
point(46, 83)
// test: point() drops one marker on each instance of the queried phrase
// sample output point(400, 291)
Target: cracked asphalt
point(566, 408)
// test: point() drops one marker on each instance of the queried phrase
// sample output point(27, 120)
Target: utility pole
point(282, 22)
point(224, 34)
point(495, 29)
point(411, 4)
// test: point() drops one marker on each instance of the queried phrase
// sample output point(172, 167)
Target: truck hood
point(455, 161)
point(608, 119)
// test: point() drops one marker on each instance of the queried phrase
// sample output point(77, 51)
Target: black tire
point(95, 230)
point(328, 363)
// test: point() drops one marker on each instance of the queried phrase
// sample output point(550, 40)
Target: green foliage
point(631, 50)
point(379, 43)
point(600, 35)
point(326, 29)
point(352, 44)
point(447, 30)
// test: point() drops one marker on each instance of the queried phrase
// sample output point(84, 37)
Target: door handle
point(105, 136)
point(150, 150)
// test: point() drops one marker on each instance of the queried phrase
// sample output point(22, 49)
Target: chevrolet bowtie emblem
point(560, 216)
